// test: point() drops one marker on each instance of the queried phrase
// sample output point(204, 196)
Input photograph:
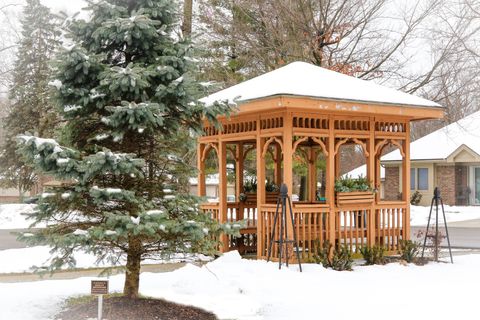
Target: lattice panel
point(353, 125)
point(384, 126)
point(210, 131)
point(310, 123)
point(271, 123)
point(240, 127)
point(236, 127)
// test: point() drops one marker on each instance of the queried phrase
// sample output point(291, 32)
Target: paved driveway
point(463, 234)
point(8, 240)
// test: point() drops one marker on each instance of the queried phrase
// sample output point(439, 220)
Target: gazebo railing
point(352, 226)
point(390, 221)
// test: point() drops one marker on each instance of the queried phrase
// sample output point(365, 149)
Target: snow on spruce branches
point(127, 92)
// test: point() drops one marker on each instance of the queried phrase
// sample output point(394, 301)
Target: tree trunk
point(132, 274)
point(187, 17)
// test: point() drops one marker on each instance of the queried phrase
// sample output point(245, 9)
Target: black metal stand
point(436, 199)
point(282, 200)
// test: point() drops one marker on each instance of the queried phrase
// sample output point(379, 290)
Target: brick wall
point(392, 183)
point(446, 183)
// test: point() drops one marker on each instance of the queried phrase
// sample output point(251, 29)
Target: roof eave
point(414, 112)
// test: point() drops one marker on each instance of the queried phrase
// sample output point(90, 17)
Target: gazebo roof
point(302, 79)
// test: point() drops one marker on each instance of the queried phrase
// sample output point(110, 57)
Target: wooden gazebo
point(318, 110)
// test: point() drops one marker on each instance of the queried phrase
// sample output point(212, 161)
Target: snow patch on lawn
point(13, 216)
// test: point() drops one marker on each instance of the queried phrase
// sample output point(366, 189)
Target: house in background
point(448, 158)
point(212, 187)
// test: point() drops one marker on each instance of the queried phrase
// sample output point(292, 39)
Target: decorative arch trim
point(208, 147)
point(315, 139)
point(379, 147)
point(270, 141)
point(357, 141)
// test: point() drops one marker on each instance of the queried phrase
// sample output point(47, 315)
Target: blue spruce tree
point(127, 93)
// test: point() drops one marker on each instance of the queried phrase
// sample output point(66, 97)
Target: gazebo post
point(222, 192)
point(288, 166)
point(330, 181)
point(406, 182)
point(371, 228)
point(201, 189)
point(260, 193)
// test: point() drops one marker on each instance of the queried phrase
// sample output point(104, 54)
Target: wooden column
point(260, 193)
point(222, 189)
point(378, 176)
point(288, 170)
point(371, 224)
point(330, 181)
point(201, 189)
point(406, 182)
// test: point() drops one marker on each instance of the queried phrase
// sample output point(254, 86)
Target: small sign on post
point(99, 288)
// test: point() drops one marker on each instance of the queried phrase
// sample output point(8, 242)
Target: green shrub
point(348, 184)
point(374, 255)
point(415, 198)
point(408, 250)
point(339, 259)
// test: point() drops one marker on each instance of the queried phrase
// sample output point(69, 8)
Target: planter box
point(270, 197)
point(352, 198)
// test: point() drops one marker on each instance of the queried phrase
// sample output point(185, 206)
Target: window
point(422, 175)
point(412, 179)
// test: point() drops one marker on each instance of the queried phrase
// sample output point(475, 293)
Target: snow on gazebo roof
point(306, 80)
point(440, 144)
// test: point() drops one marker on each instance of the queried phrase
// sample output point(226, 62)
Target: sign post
point(99, 288)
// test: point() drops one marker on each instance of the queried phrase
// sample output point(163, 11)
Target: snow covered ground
point(12, 216)
point(235, 288)
point(419, 214)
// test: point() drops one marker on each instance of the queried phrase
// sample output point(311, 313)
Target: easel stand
point(435, 200)
point(282, 200)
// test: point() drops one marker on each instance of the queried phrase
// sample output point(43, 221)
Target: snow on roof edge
point(307, 80)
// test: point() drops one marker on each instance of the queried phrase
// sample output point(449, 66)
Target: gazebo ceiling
point(303, 80)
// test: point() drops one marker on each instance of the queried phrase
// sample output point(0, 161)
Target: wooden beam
point(288, 166)
point(260, 193)
point(222, 191)
point(330, 181)
point(239, 164)
point(406, 183)
point(371, 227)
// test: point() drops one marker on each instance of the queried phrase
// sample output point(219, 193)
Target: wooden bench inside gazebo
point(302, 107)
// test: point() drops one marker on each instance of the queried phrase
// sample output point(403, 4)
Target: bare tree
point(455, 82)
point(363, 38)
point(9, 37)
